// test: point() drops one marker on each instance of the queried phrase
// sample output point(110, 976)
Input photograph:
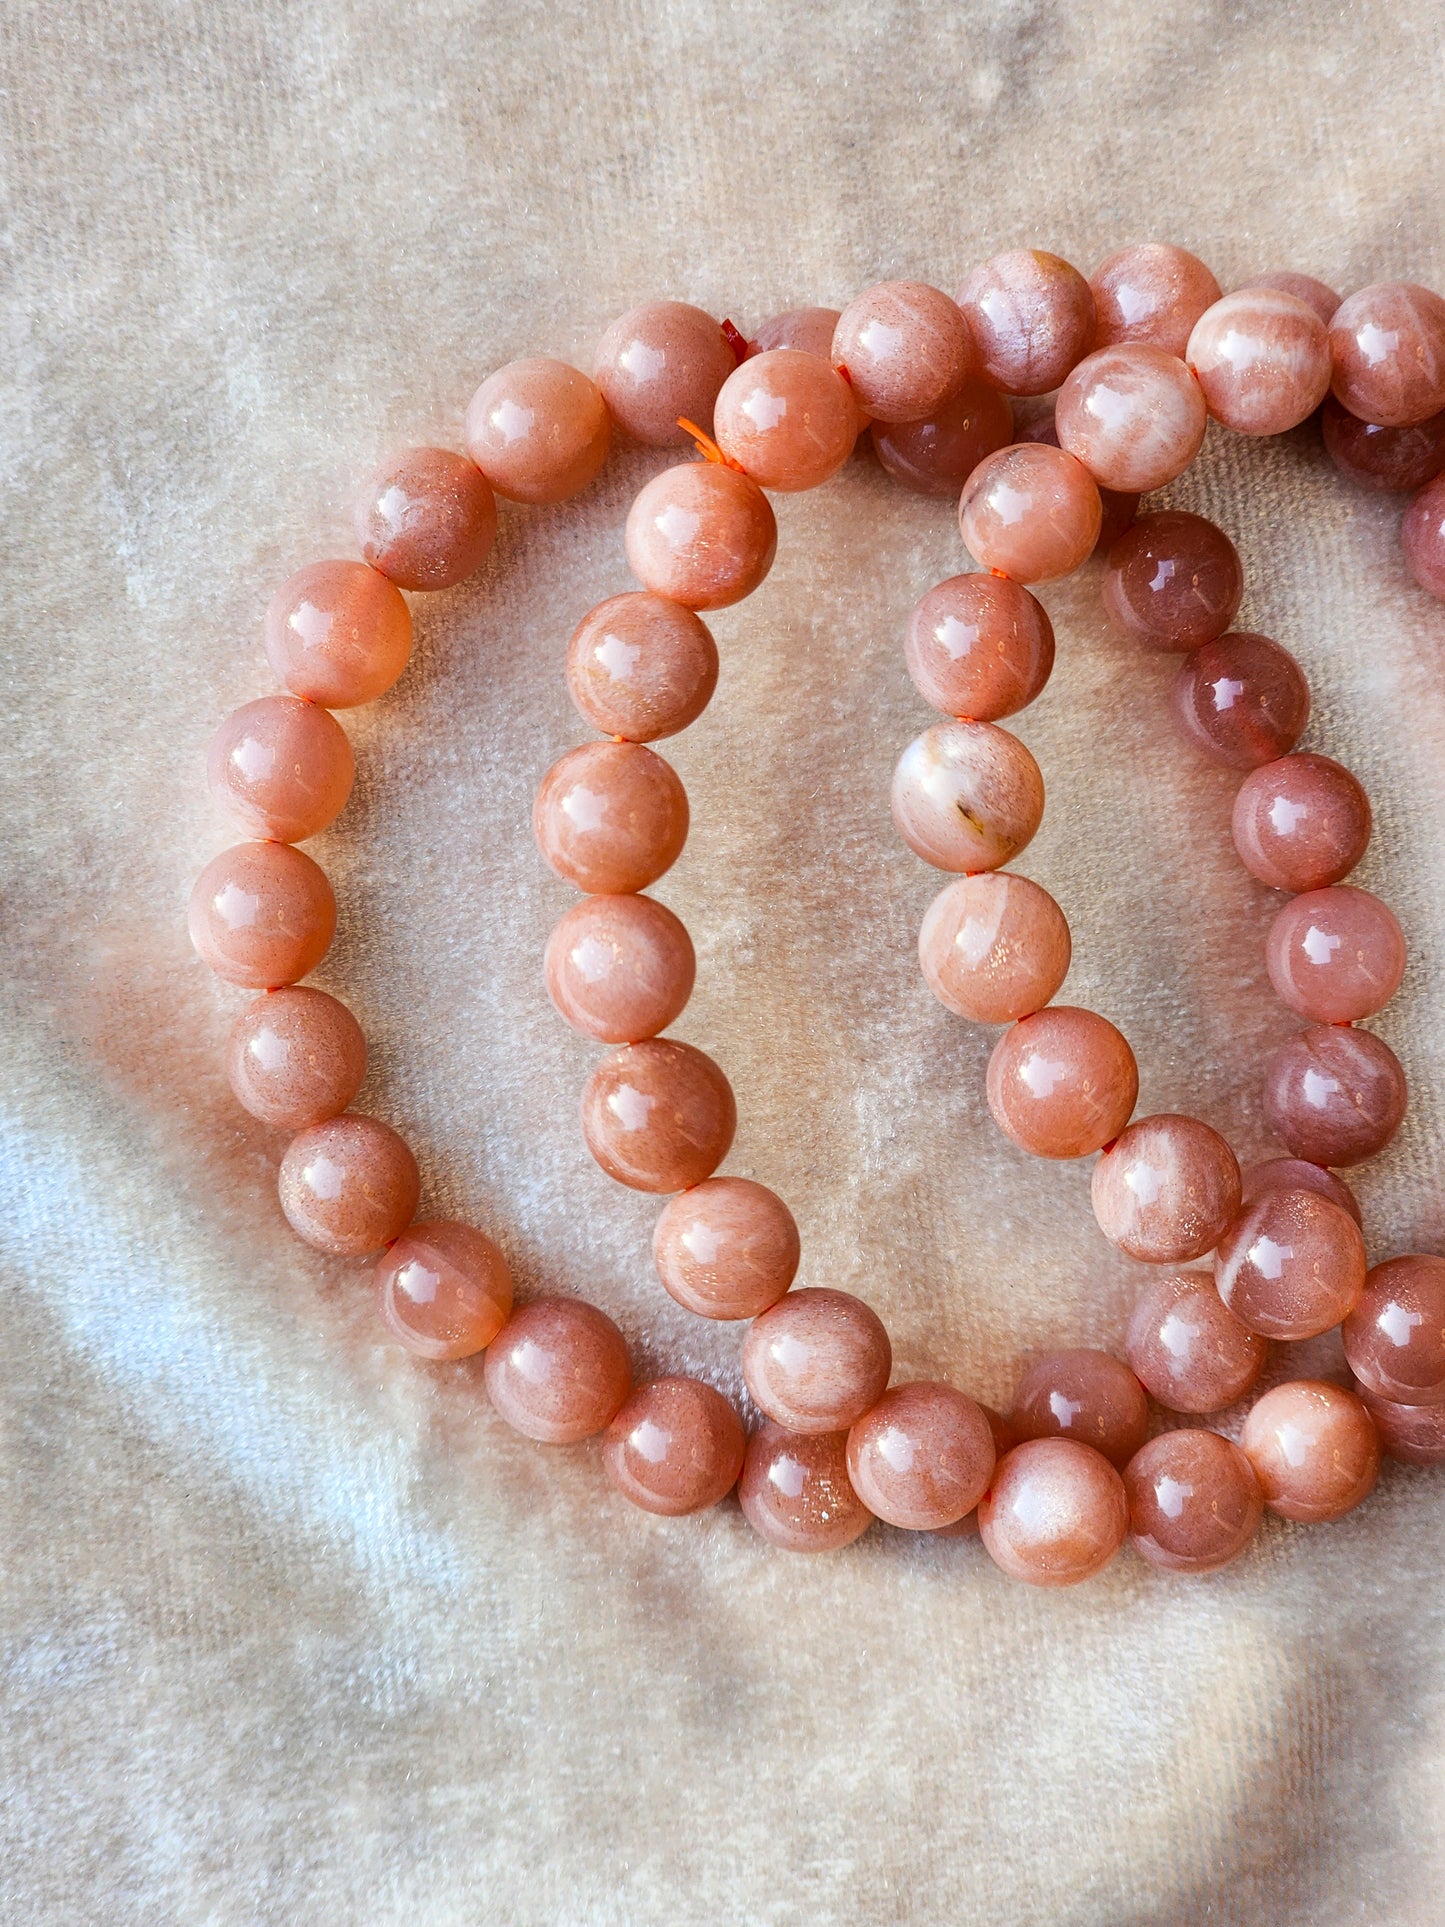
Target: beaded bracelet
point(1140, 356)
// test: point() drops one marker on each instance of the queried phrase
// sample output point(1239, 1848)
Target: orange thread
point(1002, 574)
point(708, 448)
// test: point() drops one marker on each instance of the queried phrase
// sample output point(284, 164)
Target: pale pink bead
point(443, 1290)
point(620, 968)
point(338, 633)
point(817, 1360)
point(922, 1457)
point(558, 1371)
point(967, 796)
point(1188, 1349)
point(1173, 580)
point(937, 455)
point(1388, 345)
point(1291, 1265)
point(1413, 1434)
point(979, 647)
point(1243, 700)
point(426, 519)
point(262, 914)
point(787, 418)
point(659, 1115)
point(728, 1248)
point(1153, 293)
point(1085, 1395)
point(538, 430)
point(1031, 315)
point(1167, 1190)
point(994, 948)
point(1194, 1502)
point(281, 768)
point(1380, 458)
point(702, 535)
point(904, 348)
point(659, 364)
point(295, 1057)
point(676, 1447)
point(1032, 512)
point(610, 817)
point(1335, 1095)
point(1335, 955)
point(1133, 415)
point(1263, 360)
point(1062, 1083)
point(1395, 1335)
point(1301, 822)
point(1295, 1174)
point(795, 1490)
point(640, 667)
point(349, 1185)
point(1422, 536)
point(1054, 1514)
point(1317, 295)
point(1314, 1450)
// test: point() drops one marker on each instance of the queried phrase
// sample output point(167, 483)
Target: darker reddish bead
point(1294, 1174)
point(1173, 580)
point(1422, 536)
point(937, 455)
point(1301, 822)
point(1335, 1095)
point(1387, 459)
point(1413, 1434)
point(1242, 699)
point(1395, 1335)
point(1084, 1395)
point(1194, 1501)
point(795, 1490)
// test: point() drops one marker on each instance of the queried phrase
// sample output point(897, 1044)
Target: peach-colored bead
point(676, 1446)
point(1291, 1265)
point(427, 519)
point(558, 1371)
point(538, 430)
point(702, 535)
point(262, 914)
point(281, 768)
point(1133, 415)
point(1334, 1095)
point(349, 1185)
point(1002, 1434)
point(787, 418)
point(817, 1360)
point(994, 948)
point(1317, 295)
point(904, 348)
point(1294, 1174)
point(1335, 955)
point(1153, 293)
point(659, 1115)
point(610, 817)
point(1054, 1514)
point(1262, 358)
point(1413, 1434)
point(640, 667)
point(937, 455)
point(1167, 1190)
point(1395, 1335)
point(443, 1290)
point(1301, 822)
point(726, 1249)
point(620, 968)
point(1379, 458)
point(795, 1490)
point(1388, 345)
point(1422, 537)
point(1031, 511)
point(1031, 316)
point(659, 364)
point(1062, 1083)
point(979, 647)
point(1173, 580)
point(1194, 1502)
point(295, 1057)
point(967, 796)
point(1314, 1450)
point(1084, 1395)
point(1187, 1348)
point(338, 633)
point(922, 1457)
point(1243, 700)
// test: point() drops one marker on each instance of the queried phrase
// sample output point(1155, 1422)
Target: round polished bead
point(295, 1057)
point(702, 535)
point(676, 1446)
point(349, 1185)
point(1301, 822)
point(1133, 415)
point(1395, 1335)
point(817, 1360)
point(1031, 511)
point(1314, 1450)
point(967, 796)
point(558, 1371)
point(1317, 295)
point(659, 364)
point(1187, 1348)
point(611, 817)
point(1173, 580)
point(1167, 1190)
point(1062, 1083)
point(1262, 358)
point(1335, 1096)
point(1413, 1434)
point(262, 914)
point(538, 430)
point(640, 667)
point(426, 519)
point(922, 1457)
point(1119, 510)
point(1031, 316)
point(281, 768)
point(904, 348)
point(443, 1290)
point(787, 418)
point(1243, 700)
point(979, 647)
point(1153, 293)
point(1085, 1395)
point(728, 1248)
point(620, 968)
point(937, 455)
point(1380, 458)
point(1335, 955)
point(659, 1115)
point(338, 633)
point(1291, 1266)
point(994, 948)
point(796, 1492)
point(1054, 1514)
point(1002, 1434)
point(1295, 1174)
point(1422, 536)
point(1194, 1502)
point(1388, 345)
